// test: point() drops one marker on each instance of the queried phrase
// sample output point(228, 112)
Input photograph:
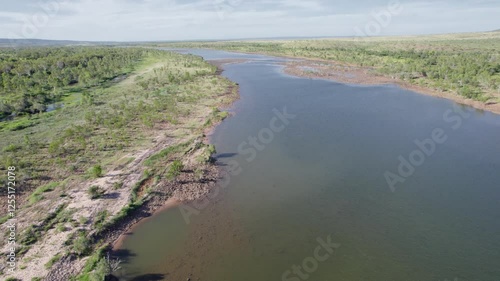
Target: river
point(329, 181)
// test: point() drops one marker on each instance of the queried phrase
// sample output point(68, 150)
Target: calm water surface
point(324, 175)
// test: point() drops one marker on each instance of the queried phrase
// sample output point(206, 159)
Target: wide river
point(328, 181)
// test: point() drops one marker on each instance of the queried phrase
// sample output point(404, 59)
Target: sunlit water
point(323, 173)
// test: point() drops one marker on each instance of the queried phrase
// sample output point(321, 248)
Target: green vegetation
point(81, 244)
point(98, 266)
point(165, 153)
point(100, 219)
point(100, 120)
point(33, 79)
point(93, 128)
point(466, 64)
point(95, 192)
point(175, 169)
point(96, 171)
point(37, 194)
point(31, 235)
point(53, 260)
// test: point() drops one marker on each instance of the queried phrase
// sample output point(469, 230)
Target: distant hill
point(4, 42)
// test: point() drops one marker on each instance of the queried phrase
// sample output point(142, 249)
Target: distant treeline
point(32, 78)
point(467, 66)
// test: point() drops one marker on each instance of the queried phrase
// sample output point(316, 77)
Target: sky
point(165, 20)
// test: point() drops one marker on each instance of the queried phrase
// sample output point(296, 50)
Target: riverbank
point(195, 180)
point(173, 102)
point(351, 74)
point(458, 67)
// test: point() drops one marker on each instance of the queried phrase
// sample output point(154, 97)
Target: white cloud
point(127, 20)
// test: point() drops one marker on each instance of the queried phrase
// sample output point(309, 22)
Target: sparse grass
point(52, 261)
point(30, 236)
point(166, 153)
point(33, 233)
point(134, 196)
point(37, 194)
point(100, 219)
point(83, 220)
point(4, 219)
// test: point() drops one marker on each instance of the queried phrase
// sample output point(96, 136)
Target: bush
point(470, 93)
point(96, 171)
point(81, 245)
point(175, 169)
point(30, 236)
point(117, 185)
point(95, 192)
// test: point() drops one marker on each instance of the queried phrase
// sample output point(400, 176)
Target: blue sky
point(140, 20)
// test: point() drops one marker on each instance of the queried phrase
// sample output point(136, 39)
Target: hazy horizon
point(156, 20)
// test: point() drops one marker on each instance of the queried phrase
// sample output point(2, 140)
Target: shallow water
point(323, 174)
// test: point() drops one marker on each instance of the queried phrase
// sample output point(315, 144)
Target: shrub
point(175, 169)
point(100, 219)
point(96, 171)
point(81, 245)
point(118, 185)
point(30, 236)
point(95, 192)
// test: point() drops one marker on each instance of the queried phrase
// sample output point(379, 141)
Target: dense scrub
point(466, 65)
point(32, 78)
